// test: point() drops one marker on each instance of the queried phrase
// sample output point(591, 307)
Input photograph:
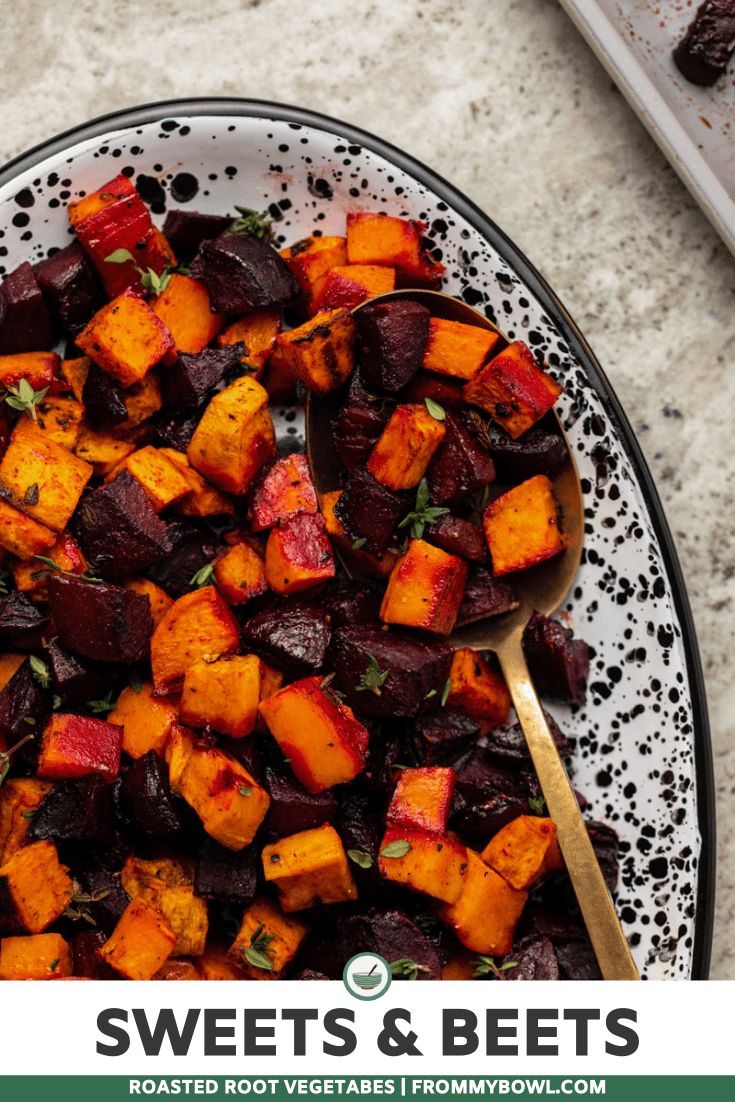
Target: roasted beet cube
point(70, 287)
point(370, 511)
point(485, 595)
point(74, 679)
point(88, 962)
point(606, 845)
point(243, 273)
point(24, 707)
point(558, 662)
point(443, 737)
point(227, 876)
point(481, 775)
point(559, 927)
point(291, 636)
point(147, 800)
point(194, 376)
point(705, 51)
point(185, 230)
point(175, 431)
point(412, 669)
point(532, 959)
point(459, 537)
point(393, 338)
point(479, 819)
point(350, 603)
point(26, 323)
point(103, 398)
point(21, 622)
point(359, 423)
point(77, 810)
point(103, 622)
point(106, 899)
point(577, 961)
point(117, 529)
point(508, 744)
point(292, 809)
point(537, 452)
point(359, 823)
point(393, 935)
point(310, 974)
point(190, 548)
point(461, 466)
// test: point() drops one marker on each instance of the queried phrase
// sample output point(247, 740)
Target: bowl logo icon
point(367, 976)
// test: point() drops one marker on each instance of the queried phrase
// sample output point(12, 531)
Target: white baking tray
point(694, 127)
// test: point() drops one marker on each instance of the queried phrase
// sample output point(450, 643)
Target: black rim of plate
point(153, 112)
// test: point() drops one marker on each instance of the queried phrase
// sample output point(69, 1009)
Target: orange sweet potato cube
point(146, 720)
point(422, 799)
point(312, 258)
point(103, 450)
point(309, 867)
point(425, 861)
point(321, 352)
point(298, 554)
point(74, 375)
point(425, 589)
point(240, 574)
point(141, 942)
point(513, 389)
point(167, 885)
point(374, 238)
point(214, 965)
point(76, 746)
point(44, 478)
point(235, 436)
point(223, 695)
point(21, 535)
point(61, 420)
point(19, 796)
point(31, 577)
point(349, 285)
point(198, 625)
point(229, 802)
point(278, 378)
point(160, 601)
point(405, 447)
point(126, 338)
point(257, 332)
point(457, 349)
point(142, 400)
point(485, 915)
point(522, 526)
point(524, 851)
point(9, 663)
point(477, 689)
point(202, 499)
point(319, 734)
point(183, 307)
point(35, 889)
point(161, 479)
point(282, 491)
point(178, 971)
point(36, 957)
point(373, 564)
point(267, 941)
point(40, 369)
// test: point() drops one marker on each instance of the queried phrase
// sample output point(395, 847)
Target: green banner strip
point(281, 1088)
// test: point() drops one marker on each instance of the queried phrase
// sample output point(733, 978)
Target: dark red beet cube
point(508, 745)
point(70, 287)
point(190, 548)
point(88, 962)
point(185, 230)
point(194, 376)
point(460, 467)
point(226, 876)
point(393, 338)
point(360, 824)
point(104, 400)
point(443, 737)
point(350, 603)
point(359, 423)
point(478, 820)
point(577, 961)
point(175, 431)
point(484, 595)
point(532, 959)
point(292, 808)
point(26, 324)
point(558, 662)
point(147, 801)
point(21, 622)
point(77, 810)
point(75, 680)
point(538, 451)
point(243, 273)
point(459, 537)
point(118, 530)
point(370, 511)
point(104, 622)
point(290, 635)
point(393, 935)
point(111, 899)
point(24, 707)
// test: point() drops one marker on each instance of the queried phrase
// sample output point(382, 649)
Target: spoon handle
point(608, 940)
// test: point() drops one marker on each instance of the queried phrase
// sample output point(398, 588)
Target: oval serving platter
point(643, 755)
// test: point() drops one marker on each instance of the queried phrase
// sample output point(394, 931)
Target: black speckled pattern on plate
point(634, 738)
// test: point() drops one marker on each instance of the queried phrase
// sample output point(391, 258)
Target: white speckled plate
point(643, 754)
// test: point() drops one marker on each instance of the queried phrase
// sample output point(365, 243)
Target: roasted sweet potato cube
point(235, 436)
point(183, 307)
point(35, 889)
point(74, 746)
point(309, 867)
point(524, 851)
point(257, 332)
point(179, 748)
point(9, 663)
point(102, 450)
point(457, 349)
point(229, 802)
point(43, 477)
point(374, 238)
point(61, 420)
point(347, 286)
point(422, 799)
point(223, 695)
point(393, 339)
point(405, 448)
point(178, 970)
point(282, 491)
point(40, 369)
point(103, 622)
point(21, 535)
point(484, 916)
point(522, 526)
point(427, 862)
point(425, 589)
point(267, 941)
point(160, 601)
point(140, 944)
point(298, 555)
point(19, 797)
point(321, 351)
point(311, 259)
point(161, 479)
point(146, 720)
point(31, 577)
point(513, 389)
point(198, 625)
point(36, 957)
point(240, 574)
point(242, 272)
point(25, 322)
point(214, 965)
point(73, 375)
point(167, 885)
point(142, 400)
point(319, 734)
point(477, 689)
point(202, 500)
point(126, 338)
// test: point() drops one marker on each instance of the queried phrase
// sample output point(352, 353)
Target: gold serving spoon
point(542, 589)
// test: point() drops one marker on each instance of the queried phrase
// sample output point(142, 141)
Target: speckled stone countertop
point(505, 100)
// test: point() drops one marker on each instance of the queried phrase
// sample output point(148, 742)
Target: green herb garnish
point(373, 679)
point(40, 671)
point(101, 707)
point(423, 513)
point(361, 858)
point(358, 544)
point(437, 412)
point(252, 223)
point(203, 576)
point(399, 848)
point(486, 966)
point(537, 804)
point(446, 690)
point(257, 952)
point(405, 968)
point(244, 790)
point(25, 399)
